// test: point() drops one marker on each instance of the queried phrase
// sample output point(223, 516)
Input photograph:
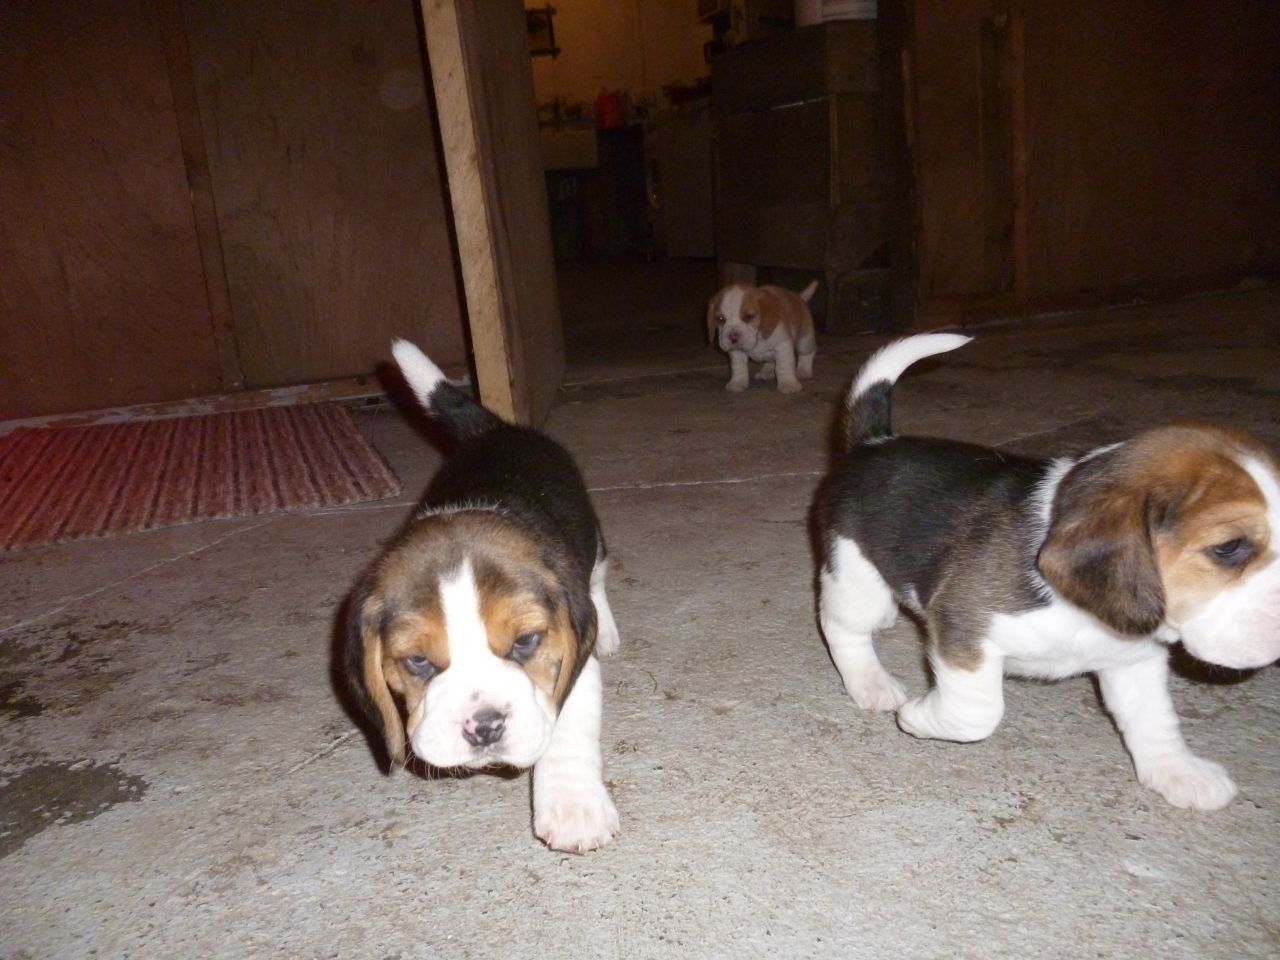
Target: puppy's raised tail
point(457, 412)
point(807, 293)
point(867, 406)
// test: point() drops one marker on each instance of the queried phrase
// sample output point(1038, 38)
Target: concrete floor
point(180, 780)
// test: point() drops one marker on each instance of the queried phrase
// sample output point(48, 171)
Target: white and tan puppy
point(1050, 568)
point(770, 325)
point(472, 640)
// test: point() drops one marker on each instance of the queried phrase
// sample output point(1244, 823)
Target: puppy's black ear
point(577, 616)
point(362, 661)
point(1099, 552)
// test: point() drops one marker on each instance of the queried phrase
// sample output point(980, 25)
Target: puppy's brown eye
point(525, 646)
point(720, 320)
point(420, 666)
point(748, 317)
point(1233, 553)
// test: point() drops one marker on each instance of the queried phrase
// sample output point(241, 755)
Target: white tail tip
point(419, 372)
point(807, 293)
point(891, 360)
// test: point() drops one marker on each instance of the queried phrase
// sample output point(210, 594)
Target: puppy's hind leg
point(607, 639)
point(854, 601)
point(805, 350)
point(784, 358)
point(966, 703)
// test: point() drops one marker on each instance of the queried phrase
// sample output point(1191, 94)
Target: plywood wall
point(327, 177)
point(1068, 154)
point(1153, 144)
point(102, 295)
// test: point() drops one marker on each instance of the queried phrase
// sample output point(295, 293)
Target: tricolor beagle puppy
point(472, 639)
point(771, 325)
point(1049, 569)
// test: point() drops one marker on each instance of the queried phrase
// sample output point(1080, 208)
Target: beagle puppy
point(771, 325)
point(471, 641)
point(1048, 569)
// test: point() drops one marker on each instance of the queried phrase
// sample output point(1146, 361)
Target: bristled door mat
point(93, 481)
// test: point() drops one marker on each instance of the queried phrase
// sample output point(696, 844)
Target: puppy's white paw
point(1189, 782)
point(766, 372)
point(576, 820)
point(915, 718)
point(927, 718)
point(607, 639)
point(877, 691)
point(736, 386)
point(789, 386)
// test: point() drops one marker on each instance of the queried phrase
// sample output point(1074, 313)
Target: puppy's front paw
point(877, 691)
point(1189, 782)
point(789, 386)
point(766, 372)
point(576, 820)
point(736, 386)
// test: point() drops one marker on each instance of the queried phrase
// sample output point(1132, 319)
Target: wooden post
point(472, 216)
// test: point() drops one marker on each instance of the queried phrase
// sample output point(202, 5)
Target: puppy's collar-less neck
point(449, 509)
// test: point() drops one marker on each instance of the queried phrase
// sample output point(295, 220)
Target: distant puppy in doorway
point(1049, 569)
point(770, 325)
point(472, 641)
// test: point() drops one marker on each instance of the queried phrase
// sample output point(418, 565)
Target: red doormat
point(74, 482)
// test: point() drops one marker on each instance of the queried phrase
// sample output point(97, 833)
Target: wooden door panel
point(327, 181)
point(102, 297)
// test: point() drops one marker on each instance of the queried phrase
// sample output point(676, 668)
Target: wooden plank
point(327, 183)
point(488, 126)
point(470, 200)
point(947, 137)
point(902, 228)
point(995, 122)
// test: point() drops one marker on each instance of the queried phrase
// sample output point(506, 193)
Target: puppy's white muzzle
point(738, 336)
point(475, 719)
point(1240, 628)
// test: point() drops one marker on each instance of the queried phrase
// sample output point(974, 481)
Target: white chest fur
point(1061, 640)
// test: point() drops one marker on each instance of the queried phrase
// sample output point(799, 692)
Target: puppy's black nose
point(484, 728)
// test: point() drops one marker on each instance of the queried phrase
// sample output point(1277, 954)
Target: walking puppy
point(771, 325)
point(1050, 569)
point(472, 639)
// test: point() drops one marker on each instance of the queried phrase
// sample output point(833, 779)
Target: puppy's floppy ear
point(712, 306)
point(577, 607)
point(362, 657)
point(1099, 552)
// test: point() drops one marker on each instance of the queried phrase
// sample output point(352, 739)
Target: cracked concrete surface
point(180, 779)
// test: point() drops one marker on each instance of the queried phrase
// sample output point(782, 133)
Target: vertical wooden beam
point(472, 216)
point(1018, 93)
point(996, 138)
point(897, 83)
